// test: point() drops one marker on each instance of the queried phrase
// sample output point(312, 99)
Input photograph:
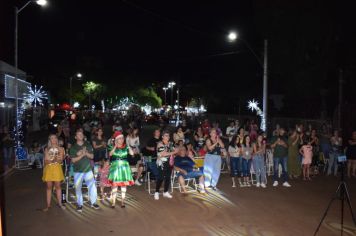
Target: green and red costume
point(120, 171)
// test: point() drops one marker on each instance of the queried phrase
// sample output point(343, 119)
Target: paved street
point(232, 211)
point(247, 211)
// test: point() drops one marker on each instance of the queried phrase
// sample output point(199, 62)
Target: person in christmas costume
point(120, 172)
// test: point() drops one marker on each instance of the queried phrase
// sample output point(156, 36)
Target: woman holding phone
point(52, 172)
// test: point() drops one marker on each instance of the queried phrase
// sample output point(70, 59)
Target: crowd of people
point(93, 158)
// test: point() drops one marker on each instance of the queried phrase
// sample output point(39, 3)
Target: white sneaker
point(275, 183)
point(286, 184)
point(167, 195)
point(263, 185)
point(156, 196)
point(138, 183)
point(258, 185)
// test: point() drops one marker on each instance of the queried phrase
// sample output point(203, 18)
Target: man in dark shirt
point(185, 167)
point(280, 156)
point(150, 152)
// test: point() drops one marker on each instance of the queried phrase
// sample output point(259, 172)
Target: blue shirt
point(184, 163)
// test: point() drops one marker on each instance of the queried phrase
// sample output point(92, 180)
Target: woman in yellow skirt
point(52, 172)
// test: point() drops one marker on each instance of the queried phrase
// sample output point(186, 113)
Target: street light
point(232, 37)
point(171, 86)
point(17, 12)
point(79, 77)
point(165, 95)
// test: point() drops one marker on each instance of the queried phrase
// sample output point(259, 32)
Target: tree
point(93, 90)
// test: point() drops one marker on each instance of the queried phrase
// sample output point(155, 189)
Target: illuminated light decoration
point(76, 105)
point(102, 106)
point(253, 106)
point(147, 109)
point(35, 95)
point(202, 108)
point(124, 104)
point(93, 108)
point(21, 153)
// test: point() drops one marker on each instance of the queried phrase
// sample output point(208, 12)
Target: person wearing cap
point(120, 173)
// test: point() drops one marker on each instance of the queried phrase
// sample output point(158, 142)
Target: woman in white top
point(133, 141)
point(246, 159)
point(235, 152)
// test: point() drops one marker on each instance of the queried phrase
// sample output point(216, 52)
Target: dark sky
point(155, 41)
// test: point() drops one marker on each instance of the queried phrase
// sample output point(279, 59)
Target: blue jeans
point(212, 168)
point(333, 163)
point(7, 152)
point(235, 164)
point(260, 170)
point(88, 177)
point(152, 167)
point(325, 149)
point(283, 162)
point(246, 166)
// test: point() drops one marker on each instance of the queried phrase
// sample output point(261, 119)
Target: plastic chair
point(21, 158)
point(269, 162)
point(190, 183)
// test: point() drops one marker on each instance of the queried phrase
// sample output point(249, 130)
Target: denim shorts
point(191, 174)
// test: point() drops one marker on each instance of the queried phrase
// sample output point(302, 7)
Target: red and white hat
point(117, 134)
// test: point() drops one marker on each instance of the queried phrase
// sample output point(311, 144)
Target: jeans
point(152, 167)
point(212, 168)
point(164, 173)
point(283, 162)
point(325, 149)
point(246, 166)
point(7, 152)
point(88, 177)
point(35, 157)
point(333, 163)
point(235, 164)
point(260, 170)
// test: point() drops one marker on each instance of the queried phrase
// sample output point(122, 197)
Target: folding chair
point(69, 181)
point(21, 158)
point(269, 162)
point(149, 178)
point(190, 184)
point(253, 173)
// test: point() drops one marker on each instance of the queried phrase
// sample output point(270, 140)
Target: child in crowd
point(307, 152)
point(104, 171)
point(35, 154)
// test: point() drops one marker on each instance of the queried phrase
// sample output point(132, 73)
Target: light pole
point(79, 77)
point(232, 37)
point(171, 86)
point(17, 12)
point(165, 95)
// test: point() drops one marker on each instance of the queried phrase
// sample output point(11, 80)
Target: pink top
point(307, 151)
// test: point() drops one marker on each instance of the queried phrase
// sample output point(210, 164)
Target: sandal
point(45, 209)
point(63, 207)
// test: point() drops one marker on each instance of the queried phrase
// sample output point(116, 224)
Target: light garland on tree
point(253, 106)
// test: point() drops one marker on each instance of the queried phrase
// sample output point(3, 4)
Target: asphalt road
point(230, 211)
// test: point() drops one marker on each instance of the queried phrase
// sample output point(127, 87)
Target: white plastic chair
point(190, 183)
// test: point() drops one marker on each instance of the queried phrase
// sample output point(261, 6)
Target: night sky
point(153, 42)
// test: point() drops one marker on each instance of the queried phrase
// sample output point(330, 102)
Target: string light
point(253, 106)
